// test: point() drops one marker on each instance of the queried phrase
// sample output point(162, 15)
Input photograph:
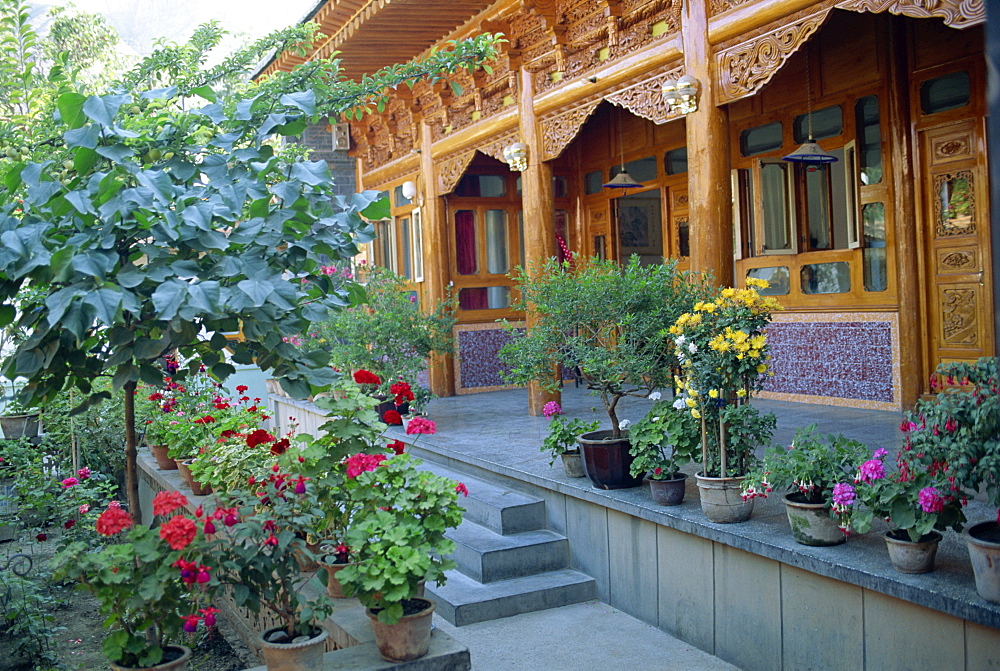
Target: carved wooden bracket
point(645, 98)
point(747, 66)
point(450, 169)
point(495, 148)
point(956, 13)
point(559, 128)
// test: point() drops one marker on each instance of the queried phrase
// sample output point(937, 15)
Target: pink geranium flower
point(421, 425)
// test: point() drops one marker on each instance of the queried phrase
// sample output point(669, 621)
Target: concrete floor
point(583, 637)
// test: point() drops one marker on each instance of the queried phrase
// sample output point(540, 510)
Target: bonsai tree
point(386, 332)
point(171, 218)
point(608, 320)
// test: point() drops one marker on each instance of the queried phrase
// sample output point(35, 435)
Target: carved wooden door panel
point(957, 245)
point(597, 236)
point(679, 229)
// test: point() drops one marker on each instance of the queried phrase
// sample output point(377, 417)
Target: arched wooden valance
point(450, 168)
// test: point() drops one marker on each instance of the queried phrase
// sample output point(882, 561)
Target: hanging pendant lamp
point(809, 151)
point(622, 180)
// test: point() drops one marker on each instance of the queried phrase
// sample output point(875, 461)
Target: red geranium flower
point(207, 419)
point(258, 437)
point(366, 377)
point(392, 417)
point(113, 520)
point(397, 446)
point(421, 425)
point(462, 489)
point(178, 532)
point(280, 446)
point(69, 524)
point(241, 388)
point(361, 462)
point(165, 503)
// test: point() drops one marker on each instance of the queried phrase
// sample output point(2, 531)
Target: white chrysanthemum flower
point(680, 341)
point(679, 403)
point(692, 348)
point(624, 424)
point(655, 396)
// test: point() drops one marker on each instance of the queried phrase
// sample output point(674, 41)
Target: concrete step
point(463, 601)
point(497, 508)
point(488, 557)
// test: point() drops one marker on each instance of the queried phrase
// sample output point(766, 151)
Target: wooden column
point(709, 192)
point(437, 260)
point(538, 207)
point(913, 376)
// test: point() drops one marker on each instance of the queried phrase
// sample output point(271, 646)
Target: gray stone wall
point(319, 139)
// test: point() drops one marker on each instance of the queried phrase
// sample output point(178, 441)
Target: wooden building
point(881, 259)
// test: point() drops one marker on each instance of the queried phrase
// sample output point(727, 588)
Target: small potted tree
point(662, 441)
point(610, 322)
point(561, 441)
point(398, 537)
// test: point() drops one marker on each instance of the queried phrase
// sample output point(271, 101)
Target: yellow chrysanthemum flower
point(698, 306)
point(754, 353)
point(758, 341)
point(690, 402)
point(761, 367)
point(728, 292)
point(695, 413)
point(713, 393)
point(741, 392)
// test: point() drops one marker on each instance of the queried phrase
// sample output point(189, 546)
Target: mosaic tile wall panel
point(477, 367)
point(849, 359)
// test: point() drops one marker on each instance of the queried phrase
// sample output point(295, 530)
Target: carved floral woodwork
point(645, 98)
point(959, 316)
point(495, 147)
point(956, 13)
point(959, 217)
point(957, 260)
point(748, 65)
point(718, 6)
point(559, 129)
point(450, 169)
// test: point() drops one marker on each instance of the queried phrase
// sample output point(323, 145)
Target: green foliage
point(398, 536)
point(609, 320)
point(26, 629)
point(662, 441)
point(386, 332)
point(140, 589)
point(811, 466)
point(262, 560)
point(562, 435)
point(98, 432)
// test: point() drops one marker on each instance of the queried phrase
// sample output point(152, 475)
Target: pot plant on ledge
point(561, 439)
point(609, 321)
point(806, 473)
point(662, 441)
point(724, 358)
point(399, 540)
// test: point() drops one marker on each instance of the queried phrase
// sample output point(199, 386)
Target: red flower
point(397, 446)
point(209, 527)
point(69, 524)
point(220, 406)
point(178, 532)
point(113, 520)
point(229, 433)
point(365, 377)
point(40, 537)
point(271, 540)
point(392, 417)
point(209, 615)
point(157, 396)
point(462, 489)
point(241, 388)
point(280, 446)
point(361, 462)
point(258, 437)
point(190, 623)
point(165, 503)
point(421, 425)
point(402, 391)
point(207, 419)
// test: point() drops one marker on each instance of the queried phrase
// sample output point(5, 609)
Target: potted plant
point(806, 473)
point(17, 420)
point(261, 566)
point(153, 585)
point(723, 352)
point(609, 321)
point(385, 332)
point(398, 536)
point(917, 499)
point(561, 440)
point(662, 441)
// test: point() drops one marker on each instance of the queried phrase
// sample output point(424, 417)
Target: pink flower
point(84, 473)
point(69, 482)
point(931, 500)
point(361, 462)
point(880, 453)
point(552, 408)
point(843, 494)
point(166, 502)
point(209, 615)
point(871, 470)
point(462, 489)
point(421, 425)
point(191, 623)
point(271, 540)
point(84, 509)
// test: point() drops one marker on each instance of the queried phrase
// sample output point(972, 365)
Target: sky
point(141, 22)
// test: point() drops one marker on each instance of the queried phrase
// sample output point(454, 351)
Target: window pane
point(560, 189)
point(826, 278)
point(594, 181)
point(817, 181)
point(492, 186)
point(468, 186)
point(466, 256)
point(418, 247)
point(404, 235)
point(398, 198)
point(683, 238)
point(873, 218)
point(520, 233)
point(774, 191)
point(497, 298)
point(675, 161)
point(562, 235)
point(641, 170)
point(873, 255)
point(484, 298)
point(761, 139)
point(943, 93)
point(827, 122)
point(497, 258)
point(777, 276)
point(869, 139)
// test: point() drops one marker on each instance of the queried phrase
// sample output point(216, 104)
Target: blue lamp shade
point(622, 180)
point(810, 152)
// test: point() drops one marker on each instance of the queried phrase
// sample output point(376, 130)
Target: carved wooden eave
point(405, 167)
point(645, 99)
point(749, 63)
point(450, 168)
point(956, 13)
point(560, 127)
point(495, 147)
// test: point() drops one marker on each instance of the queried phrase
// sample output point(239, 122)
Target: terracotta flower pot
point(163, 461)
point(668, 492)
point(573, 464)
point(912, 557)
point(983, 540)
point(811, 523)
point(722, 499)
point(300, 654)
point(179, 657)
point(333, 586)
point(408, 639)
point(185, 472)
point(197, 488)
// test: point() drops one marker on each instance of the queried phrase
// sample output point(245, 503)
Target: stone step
point(488, 557)
point(497, 508)
point(464, 601)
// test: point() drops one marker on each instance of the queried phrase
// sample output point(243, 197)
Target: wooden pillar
point(913, 377)
point(709, 191)
point(437, 260)
point(538, 207)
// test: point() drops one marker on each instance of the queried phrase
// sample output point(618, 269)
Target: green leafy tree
point(178, 224)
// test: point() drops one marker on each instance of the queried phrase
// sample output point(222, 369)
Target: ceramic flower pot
point(19, 426)
point(177, 658)
point(912, 557)
point(163, 460)
point(722, 499)
point(668, 492)
point(333, 586)
point(408, 639)
point(573, 464)
point(811, 523)
point(304, 653)
point(197, 488)
point(607, 461)
point(983, 541)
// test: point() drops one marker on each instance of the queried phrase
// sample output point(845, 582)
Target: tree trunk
point(131, 469)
